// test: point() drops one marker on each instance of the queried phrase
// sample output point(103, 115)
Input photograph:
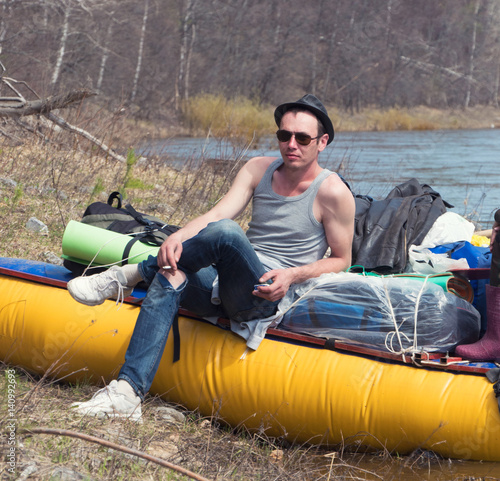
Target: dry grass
point(241, 119)
point(417, 118)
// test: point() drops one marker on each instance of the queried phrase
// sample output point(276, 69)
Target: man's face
point(293, 153)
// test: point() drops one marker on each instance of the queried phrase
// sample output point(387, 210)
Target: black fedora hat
point(314, 105)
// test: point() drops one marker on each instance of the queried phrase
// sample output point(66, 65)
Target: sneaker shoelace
point(105, 283)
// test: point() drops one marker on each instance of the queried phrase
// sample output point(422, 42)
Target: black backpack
point(145, 228)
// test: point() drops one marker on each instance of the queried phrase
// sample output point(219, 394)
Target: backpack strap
point(138, 217)
point(147, 237)
point(115, 196)
point(128, 248)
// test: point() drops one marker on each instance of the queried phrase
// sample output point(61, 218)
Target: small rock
point(65, 474)
point(51, 258)
point(169, 414)
point(36, 225)
point(27, 472)
point(8, 182)
point(161, 208)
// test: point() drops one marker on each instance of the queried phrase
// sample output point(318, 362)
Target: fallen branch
point(77, 130)
point(118, 447)
point(17, 107)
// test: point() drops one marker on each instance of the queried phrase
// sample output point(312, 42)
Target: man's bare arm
point(229, 207)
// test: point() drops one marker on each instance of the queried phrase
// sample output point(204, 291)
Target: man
point(299, 211)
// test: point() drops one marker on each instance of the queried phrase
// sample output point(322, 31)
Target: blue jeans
point(222, 249)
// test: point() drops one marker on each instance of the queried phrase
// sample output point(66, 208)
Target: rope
point(417, 304)
point(413, 349)
point(396, 332)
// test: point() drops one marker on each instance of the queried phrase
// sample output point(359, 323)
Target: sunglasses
point(302, 139)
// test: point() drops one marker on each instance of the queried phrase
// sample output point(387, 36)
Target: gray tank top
point(283, 230)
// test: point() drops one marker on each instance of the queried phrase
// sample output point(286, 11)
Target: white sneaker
point(108, 402)
point(94, 290)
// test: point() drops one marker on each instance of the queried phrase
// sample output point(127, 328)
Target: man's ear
point(322, 142)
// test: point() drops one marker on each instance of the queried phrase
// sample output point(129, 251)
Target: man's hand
point(282, 279)
point(170, 253)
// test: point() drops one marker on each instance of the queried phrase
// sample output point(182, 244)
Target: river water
point(462, 165)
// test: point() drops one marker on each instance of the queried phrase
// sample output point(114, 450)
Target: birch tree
point(62, 42)
point(470, 74)
point(493, 16)
point(105, 50)
point(141, 50)
point(187, 38)
point(69, 9)
point(3, 23)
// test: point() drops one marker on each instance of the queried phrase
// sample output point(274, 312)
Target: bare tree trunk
point(187, 31)
point(332, 50)
point(45, 8)
point(469, 79)
point(314, 67)
point(388, 21)
point(105, 51)
point(316, 39)
point(234, 45)
point(77, 130)
point(188, 61)
point(15, 111)
point(62, 45)
point(279, 45)
point(141, 50)
point(493, 15)
point(3, 24)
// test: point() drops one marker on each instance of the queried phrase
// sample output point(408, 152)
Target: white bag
point(424, 261)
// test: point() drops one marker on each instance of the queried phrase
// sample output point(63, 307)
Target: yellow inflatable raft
point(303, 393)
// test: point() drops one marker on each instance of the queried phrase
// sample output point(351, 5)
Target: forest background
point(154, 55)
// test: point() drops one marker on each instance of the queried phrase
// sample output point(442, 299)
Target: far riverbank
point(220, 118)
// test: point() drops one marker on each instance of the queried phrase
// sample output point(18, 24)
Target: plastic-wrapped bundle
point(393, 313)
